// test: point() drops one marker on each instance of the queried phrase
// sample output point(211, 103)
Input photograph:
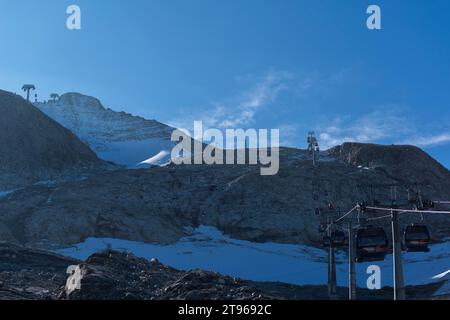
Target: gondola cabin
point(338, 239)
point(417, 238)
point(371, 244)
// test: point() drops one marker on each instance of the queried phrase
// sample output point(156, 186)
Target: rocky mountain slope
point(115, 136)
point(30, 274)
point(34, 147)
point(404, 163)
point(157, 204)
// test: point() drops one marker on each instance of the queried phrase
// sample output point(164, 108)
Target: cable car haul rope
point(408, 211)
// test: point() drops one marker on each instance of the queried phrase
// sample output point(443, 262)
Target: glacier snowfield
point(211, 250)
point(132, 154)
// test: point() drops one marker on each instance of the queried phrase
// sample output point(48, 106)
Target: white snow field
point(209, 249)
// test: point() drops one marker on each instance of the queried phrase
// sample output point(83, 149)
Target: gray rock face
point(97, 125)
point(156, 205)
point(33, 147)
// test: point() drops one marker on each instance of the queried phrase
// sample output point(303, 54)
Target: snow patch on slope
point(210, 249)
point(445, 289)
point(132, 153)
point(4, 194)
point(161, 158)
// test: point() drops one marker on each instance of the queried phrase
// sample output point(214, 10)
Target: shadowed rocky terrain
point(31, 274)
point(35, 148)
point(37, 275)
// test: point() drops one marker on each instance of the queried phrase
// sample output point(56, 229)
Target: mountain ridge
point(157, 204)
point(115, 136)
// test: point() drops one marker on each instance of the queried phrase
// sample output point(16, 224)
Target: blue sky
point(292, 64)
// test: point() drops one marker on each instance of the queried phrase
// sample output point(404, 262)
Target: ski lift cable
point(345, 215)
point(379, 218)
point(408, 211)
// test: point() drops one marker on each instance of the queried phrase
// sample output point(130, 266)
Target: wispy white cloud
point(394, 124)
point(373, 127)
point(240, 111)
point(428, 141)
point(289, 135)
point(243, 110)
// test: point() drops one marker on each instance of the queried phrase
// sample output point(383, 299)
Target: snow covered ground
point(133, 153)
point(445, 289)
point(209, 249)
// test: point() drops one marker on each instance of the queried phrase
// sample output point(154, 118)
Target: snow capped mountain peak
point(115, 136)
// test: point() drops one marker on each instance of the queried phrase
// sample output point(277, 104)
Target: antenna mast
point(313, 146)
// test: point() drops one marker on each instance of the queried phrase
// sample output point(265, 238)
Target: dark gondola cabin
point(338, 239)
point(417, 238)
point(371, 244)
